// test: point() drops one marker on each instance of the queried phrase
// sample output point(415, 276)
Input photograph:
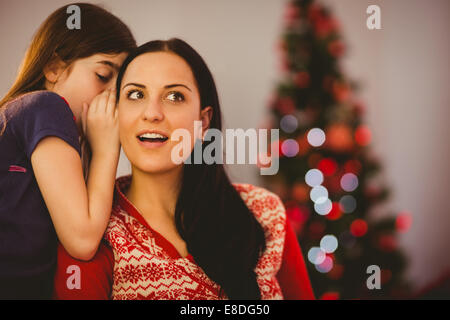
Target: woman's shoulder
point(266, 205)
point(251, 192)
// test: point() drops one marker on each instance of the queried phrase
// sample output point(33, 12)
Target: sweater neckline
point(121, 184)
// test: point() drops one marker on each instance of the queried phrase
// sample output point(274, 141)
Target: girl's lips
point(151, 145)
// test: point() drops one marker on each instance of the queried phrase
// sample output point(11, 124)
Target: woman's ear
point(206, 116)
point(54, 69)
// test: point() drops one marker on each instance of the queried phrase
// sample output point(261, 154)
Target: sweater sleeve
point(95, 276)
point(293, 275)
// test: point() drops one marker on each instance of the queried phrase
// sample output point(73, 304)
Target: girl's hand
point(100, 124)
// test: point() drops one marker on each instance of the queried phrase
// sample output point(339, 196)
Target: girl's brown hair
point(100, 32)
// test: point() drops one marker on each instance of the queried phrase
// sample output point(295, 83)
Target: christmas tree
point(328, 174)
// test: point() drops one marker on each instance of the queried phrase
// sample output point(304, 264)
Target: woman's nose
point(153, 111)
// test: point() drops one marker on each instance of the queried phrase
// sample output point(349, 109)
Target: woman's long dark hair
point(220, 231)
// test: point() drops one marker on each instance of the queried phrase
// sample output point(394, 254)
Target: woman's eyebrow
point(109, 63)
point(133, 84)
point(166, 87)
point(177, 85)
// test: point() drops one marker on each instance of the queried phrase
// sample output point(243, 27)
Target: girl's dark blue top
point(28, 239)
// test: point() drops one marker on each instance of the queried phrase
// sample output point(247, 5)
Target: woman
point(183, 231)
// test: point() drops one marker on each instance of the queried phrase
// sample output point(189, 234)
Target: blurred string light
point(347, 203)
point(322, 204)
point(313, 177)
point(329, 243)
point(319, 194)
point(289, 148)
point(349, 182)
point(326, 265)
point(316, 255)
point(289, 123)
point(323, 208)
point(316, 137)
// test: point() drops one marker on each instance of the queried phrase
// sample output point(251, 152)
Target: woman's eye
point(175, 96)
point(102, 78)
point(135, 95)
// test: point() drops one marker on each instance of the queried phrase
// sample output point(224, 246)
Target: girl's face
point(158, 93)
point(84, 79)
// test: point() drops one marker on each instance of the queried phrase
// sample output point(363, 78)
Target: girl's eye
point(175, 96)
point(135, 95)
point(102, 78)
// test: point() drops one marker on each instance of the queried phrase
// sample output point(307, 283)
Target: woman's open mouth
point(152, 140)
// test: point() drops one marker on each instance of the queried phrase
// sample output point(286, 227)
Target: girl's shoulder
point(266, 205)
point(36, 115)
point(41, 97)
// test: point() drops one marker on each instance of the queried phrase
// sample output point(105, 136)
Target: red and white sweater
point(136, 262)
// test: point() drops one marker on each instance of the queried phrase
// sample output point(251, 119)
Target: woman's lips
point(151, 144)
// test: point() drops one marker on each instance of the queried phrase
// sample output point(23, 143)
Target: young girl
point(43, 193)
point(183, 231)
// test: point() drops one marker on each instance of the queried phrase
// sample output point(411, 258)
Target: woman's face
point(158, 93)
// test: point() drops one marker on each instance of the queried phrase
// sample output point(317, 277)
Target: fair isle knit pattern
point(143, 268)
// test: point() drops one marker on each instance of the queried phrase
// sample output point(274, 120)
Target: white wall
point(404, 70)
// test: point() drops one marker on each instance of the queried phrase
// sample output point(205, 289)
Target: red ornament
point(358, 228)
point(328, 166)
point(335, 212)
point(403, 221)
point(339, 138)
point(341, 91)
point(302, 79)
point(363, 135)
point(336, 48)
